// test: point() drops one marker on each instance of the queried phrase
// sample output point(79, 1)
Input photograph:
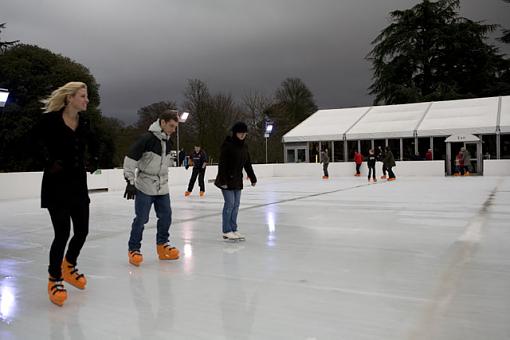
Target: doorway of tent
point(464, 155)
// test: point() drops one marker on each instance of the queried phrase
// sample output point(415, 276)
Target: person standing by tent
point(428, 155)
point(234, 156)
point(459, 164)
point(199, 158)
point(466, 157)
point(65, 137)
point(389, 163)
point(371, 165)
point(325, 163)
point(358, 159)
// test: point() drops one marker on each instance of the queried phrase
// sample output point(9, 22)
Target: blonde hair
point(58, 98)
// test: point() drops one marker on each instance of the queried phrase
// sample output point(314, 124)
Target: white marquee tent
point(443, 118)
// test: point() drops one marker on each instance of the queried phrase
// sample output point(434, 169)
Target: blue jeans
point(143, 205)
point(230, 209)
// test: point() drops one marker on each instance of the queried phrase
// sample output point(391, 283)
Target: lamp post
point(182, 119)
point(269, 128)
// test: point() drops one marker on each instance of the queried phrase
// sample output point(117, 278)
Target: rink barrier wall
point(17, 185)
point(496, 167)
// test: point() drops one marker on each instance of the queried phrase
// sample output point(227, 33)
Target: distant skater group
point(384, 156)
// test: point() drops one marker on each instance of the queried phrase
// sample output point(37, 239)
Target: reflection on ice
point(7, 302)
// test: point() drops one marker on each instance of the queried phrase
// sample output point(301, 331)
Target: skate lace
point(74, 271)
point(167, 246)
point(135, 253)
point(57, 286)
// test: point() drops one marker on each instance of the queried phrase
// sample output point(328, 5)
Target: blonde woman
point(65, 137)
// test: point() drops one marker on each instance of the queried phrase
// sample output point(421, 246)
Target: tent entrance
point(473, 145)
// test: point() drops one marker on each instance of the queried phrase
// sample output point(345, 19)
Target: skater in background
point(325, 163)
point(234, 156)
point(199, 159)
point(389, 163)
point(371, 165)
point(358, 159)
point(459, 164)
point(466, 157)
point(146, 173)
point(65, 138)
point(380, 158)
point(181, 157)
point(428, 155)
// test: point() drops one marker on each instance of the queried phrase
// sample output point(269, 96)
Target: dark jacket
point(371, 161)
point(199, 159)
point(234, 156)
point(389, 160)
point(63, 152)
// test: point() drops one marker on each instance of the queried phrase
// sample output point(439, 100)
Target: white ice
point(418, 258)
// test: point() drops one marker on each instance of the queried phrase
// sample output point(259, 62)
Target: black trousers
point(391, 174)
point(201, 174)
point(61, 219)
point(371, 172)
point(325, 169)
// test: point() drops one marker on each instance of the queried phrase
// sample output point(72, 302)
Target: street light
point(182, 119)
point(269, 129)
point(4, 94)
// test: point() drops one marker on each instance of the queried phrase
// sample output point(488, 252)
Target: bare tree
point(4, 45)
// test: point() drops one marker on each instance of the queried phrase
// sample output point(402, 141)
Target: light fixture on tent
point(4, 94)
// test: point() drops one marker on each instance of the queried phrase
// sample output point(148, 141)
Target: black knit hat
point(239, 127)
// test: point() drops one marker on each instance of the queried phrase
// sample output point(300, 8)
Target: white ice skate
point(230, 236)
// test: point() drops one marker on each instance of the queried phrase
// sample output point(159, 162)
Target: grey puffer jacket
point(151, 156)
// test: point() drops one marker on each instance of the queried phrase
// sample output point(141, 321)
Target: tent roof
point(389, 121)
point(325, 125)
point(504, 122)
point(444, 118)
point(465, 116)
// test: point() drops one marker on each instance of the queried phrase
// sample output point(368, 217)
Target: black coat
point(234, 156)
point(64, 152)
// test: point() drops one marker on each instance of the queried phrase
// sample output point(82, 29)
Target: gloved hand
point(130, 192)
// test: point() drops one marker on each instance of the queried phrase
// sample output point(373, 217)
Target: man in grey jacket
point(150, 155)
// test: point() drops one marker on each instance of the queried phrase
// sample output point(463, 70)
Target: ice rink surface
point(418, 258)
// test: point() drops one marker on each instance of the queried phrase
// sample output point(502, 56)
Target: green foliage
point(429, 53)
point(31, 73)
point(293, 103)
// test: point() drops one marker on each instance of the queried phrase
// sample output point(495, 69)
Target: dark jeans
point(230, 209)
point(325, 169)
point(200, 173)
point(61, 219)
point(371, 172)
point(384, 170)
point(143, 205)
point(357, 169)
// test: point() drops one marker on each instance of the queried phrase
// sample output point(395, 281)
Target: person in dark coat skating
point(234, 157)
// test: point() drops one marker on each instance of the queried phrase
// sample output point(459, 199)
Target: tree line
point(427, 53)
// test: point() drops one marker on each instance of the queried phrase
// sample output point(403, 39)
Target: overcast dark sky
point(142, 52)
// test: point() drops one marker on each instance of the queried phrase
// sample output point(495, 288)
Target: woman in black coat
point(234, 156)
point(65, 137)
